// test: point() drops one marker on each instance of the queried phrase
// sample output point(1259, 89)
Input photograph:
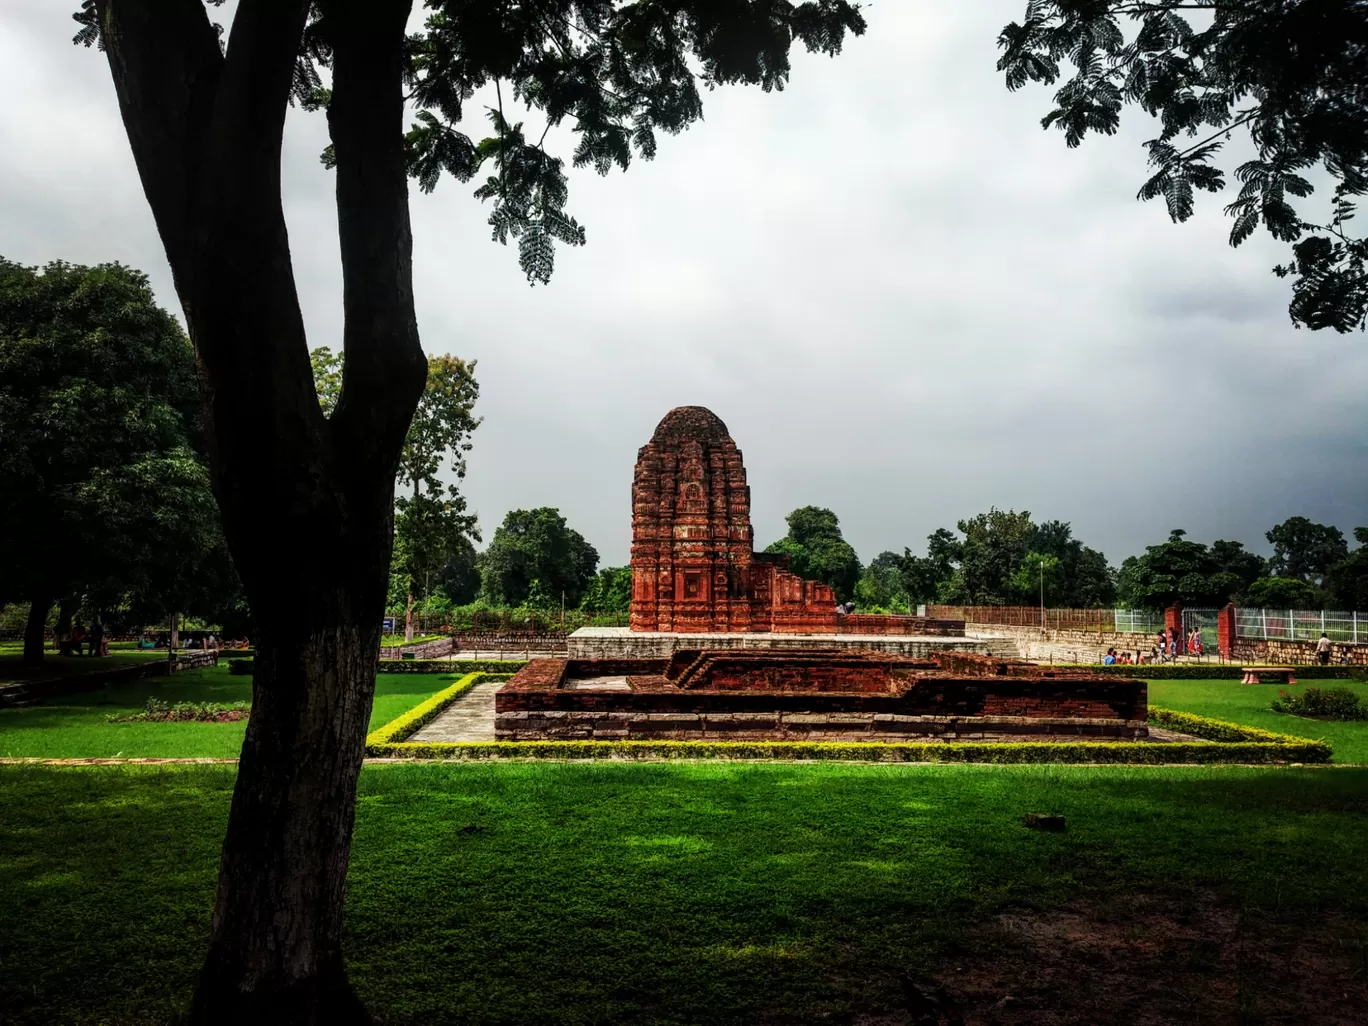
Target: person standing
point(1323, 650)
point(97, 640)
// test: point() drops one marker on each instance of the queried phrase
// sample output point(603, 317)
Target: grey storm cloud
point(907, 301)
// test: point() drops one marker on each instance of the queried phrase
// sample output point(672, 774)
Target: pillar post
point(1225, 631)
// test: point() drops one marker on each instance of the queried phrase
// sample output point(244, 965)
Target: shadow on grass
point(663, 893)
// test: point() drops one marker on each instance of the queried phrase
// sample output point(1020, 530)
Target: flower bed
point(185, 712)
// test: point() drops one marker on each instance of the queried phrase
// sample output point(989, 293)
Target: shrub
point(1222, 743)
point(185, 712)
point(1322, 704)
point(509, 666)
point(378, 742)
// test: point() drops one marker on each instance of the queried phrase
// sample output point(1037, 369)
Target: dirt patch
point(1151, 960)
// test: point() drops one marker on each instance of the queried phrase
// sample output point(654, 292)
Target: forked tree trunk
point(307, 502)
point(408, 615)
point(35, 631)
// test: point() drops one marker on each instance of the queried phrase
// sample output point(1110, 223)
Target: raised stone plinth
point(624, 643)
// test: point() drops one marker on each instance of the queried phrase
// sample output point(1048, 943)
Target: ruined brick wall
point(869, 623)
point(533, 706)
point(941, 709)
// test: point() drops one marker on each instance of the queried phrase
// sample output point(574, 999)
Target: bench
point(1256, 674)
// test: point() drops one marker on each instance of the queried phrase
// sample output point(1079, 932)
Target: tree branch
point(1223, 131)
point(165, 61)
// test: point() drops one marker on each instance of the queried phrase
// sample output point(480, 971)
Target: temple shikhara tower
point(694, 567)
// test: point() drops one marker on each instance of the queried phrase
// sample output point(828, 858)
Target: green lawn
point(667, 893)
point(1248, 704)
point(12, 668)
point(76, 726)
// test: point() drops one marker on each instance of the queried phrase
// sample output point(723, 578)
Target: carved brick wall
point(694, 568)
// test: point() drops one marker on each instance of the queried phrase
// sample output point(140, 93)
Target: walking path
point(469, 718)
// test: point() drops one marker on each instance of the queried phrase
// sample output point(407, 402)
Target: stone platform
point(625, 643)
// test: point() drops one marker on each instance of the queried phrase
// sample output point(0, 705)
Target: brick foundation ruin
point(833, 695)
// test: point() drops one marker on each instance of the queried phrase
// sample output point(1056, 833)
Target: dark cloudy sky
point(906, 300)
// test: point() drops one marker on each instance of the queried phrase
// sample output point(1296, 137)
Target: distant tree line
point(1001, 557)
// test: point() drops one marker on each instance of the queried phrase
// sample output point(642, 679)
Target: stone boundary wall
point(427, 650)
point(1100, 640)
point(1295, 653)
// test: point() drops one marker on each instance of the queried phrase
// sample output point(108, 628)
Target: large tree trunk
point(307, 502)
point(276, 952)
point(35, 630)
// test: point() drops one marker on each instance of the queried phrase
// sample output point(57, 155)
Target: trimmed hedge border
point(1227, 671)
point(423, 713)
point(1222, 743)
point(508, 666)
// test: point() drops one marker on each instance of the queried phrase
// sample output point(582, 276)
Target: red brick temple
point(694, 565)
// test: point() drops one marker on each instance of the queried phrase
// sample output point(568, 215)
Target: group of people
point(75, 640)
point(1168, 646)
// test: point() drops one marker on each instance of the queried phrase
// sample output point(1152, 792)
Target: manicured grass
point(12, 668)
point(1248, 704)
point(659, 893)
point(76, 726)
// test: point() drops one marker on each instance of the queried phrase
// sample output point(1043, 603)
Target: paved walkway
point(469, 718)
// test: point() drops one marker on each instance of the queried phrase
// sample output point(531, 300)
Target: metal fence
point(1138, 621)
point(1301, 625)
point(1027, 616)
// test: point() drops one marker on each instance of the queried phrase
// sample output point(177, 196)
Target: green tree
point(817, 551)
point(1305, 550)
point(1283, 593)
point(105, 494)
point(610, 592)
point(1038, 579)
point(205, 122)
point(1083, 578)
point(995, 544)
point(1291, 73)
point(1177, 570)
point(536, 548)
point(1245, 566)
point(460, 581)
point(881, 584)
point(1347, 582)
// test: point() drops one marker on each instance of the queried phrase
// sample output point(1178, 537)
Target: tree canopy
point(534, 558)
point(1179, 570)
point(1003, 559)
point(106, 494)
point(817, 551)
point(610, 592)
point(1293, 74)
point(1305, 550)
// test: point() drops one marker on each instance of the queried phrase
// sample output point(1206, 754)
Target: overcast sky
point(905, 299)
